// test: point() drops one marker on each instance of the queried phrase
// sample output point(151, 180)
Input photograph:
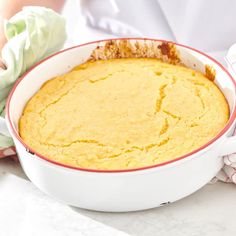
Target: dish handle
point(229, 146)
point(230, 60)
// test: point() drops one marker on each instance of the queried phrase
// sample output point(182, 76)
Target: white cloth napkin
point(25, 211)
point(33, 34)
point(206, 25)
point(228, 173)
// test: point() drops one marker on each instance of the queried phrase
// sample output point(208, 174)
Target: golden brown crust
point(114, 49)
point(123, 113)
point(210, 72)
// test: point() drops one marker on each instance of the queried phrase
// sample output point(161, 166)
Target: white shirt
point(208, 25)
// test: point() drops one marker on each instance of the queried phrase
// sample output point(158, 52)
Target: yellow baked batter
point(122, 114)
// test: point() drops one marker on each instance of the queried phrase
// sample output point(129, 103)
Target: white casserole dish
point(120, 190)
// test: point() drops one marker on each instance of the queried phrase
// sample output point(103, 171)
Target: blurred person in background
point(206, 25)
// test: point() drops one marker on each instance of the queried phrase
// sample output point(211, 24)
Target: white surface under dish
point(212, 207)
point(36, 214)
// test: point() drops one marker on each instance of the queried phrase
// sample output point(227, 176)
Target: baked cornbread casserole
point(123, 114)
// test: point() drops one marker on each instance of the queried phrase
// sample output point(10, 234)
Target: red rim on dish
point(227, 126)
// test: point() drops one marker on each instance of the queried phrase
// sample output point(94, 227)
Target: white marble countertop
point(211, 211)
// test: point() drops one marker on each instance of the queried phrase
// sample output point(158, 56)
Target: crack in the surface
point(172, 115)
point(164, 127)
point(198, 83)
point(118, 154)
point(100, 79)
point(137, 148)
point(128, 150)
point(162, 95)
point(197, 93)
point(55, 101)
point(90, 141)
point(67, 92)
point(174, 79)
point(161, 143)
point(158, 73)
point(194, 124)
